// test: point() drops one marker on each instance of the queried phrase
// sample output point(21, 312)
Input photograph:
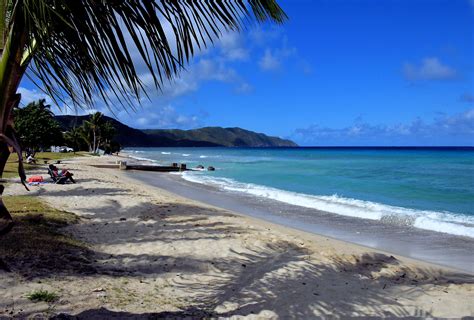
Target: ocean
point(428, 188)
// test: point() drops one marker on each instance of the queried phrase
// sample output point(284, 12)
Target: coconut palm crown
point(81, 51)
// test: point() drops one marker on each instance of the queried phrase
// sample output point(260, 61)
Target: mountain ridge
point(202, 137)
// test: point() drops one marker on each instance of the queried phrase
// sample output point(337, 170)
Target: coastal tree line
point(38, 130)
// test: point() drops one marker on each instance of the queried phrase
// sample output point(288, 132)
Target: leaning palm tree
point(78, 51)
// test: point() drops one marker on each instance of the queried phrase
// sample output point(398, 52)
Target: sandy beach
point(148, 253)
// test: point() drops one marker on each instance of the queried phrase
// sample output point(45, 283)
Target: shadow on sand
point(277, 276)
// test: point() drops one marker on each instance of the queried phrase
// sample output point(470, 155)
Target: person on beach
point(30, 159)
point(55, 172)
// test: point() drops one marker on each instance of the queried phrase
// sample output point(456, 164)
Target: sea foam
point(141, 158)
point(446, 222)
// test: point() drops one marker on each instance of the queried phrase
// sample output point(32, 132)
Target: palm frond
point(83, 49)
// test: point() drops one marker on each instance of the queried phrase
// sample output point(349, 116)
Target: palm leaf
point(81, 50)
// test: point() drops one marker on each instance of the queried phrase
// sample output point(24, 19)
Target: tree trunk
point(6, 220)
point(11, 72)
point(94, 146)
point(7, 138)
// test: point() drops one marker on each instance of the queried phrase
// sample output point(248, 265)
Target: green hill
point(227, 137)
point(203, 137)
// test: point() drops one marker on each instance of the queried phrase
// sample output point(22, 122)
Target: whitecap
point(141, 158)
point(446, 222)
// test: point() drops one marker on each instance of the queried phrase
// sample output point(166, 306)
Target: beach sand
point(149, 253)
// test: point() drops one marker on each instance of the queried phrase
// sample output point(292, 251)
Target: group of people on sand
point(58, 175)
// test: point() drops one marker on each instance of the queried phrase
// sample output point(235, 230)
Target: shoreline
point(442, 249)
point(354, 231)
point(313, 237)
point(158, 254)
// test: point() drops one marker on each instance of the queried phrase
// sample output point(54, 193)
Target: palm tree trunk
point(11, 73)
point(98, 143)
point(6, 220)
point(94, 146)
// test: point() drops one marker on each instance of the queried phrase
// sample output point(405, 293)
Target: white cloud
point(162, 117)
point(273, 59)
point(452, 129)
point(269, 61)
point(190, 80)
point(261, 35)
point(207, 69)
point(30, 95)
point(232, 47)
point(429, 69)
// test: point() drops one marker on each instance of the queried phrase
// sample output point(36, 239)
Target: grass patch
point(11, 168)
point(32, 211)
point(42, 295)
point(36, 246)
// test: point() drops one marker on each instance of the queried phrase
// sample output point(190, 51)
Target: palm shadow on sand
point(276, 276)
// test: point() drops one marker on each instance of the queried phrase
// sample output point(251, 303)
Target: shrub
point(42, 295)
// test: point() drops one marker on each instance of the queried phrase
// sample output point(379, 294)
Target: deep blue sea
point(428, 188)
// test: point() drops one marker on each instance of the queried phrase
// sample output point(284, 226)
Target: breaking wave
point(446, 222)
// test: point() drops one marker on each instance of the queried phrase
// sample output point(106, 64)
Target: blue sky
point(337, 73)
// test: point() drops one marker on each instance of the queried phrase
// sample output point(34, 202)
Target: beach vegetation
point(73, 138)
point(93, 125)
point(42, 295)
point(36, 127)
point(98, 134)
point(80, 52)
point(94, 134)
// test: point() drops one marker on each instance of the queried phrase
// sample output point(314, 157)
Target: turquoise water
point(427, 188)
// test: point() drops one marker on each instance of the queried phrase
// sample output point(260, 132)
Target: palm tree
point(74, 138)
point(85, 132)
point(95, 123)
point(107, 133)
point(43, 107)
point(77, 51)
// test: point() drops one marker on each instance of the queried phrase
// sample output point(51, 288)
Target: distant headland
point(202, 137)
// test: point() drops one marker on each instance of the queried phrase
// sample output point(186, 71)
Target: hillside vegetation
point(203, 137)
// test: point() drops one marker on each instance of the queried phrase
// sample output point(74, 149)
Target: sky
point(337, 73)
